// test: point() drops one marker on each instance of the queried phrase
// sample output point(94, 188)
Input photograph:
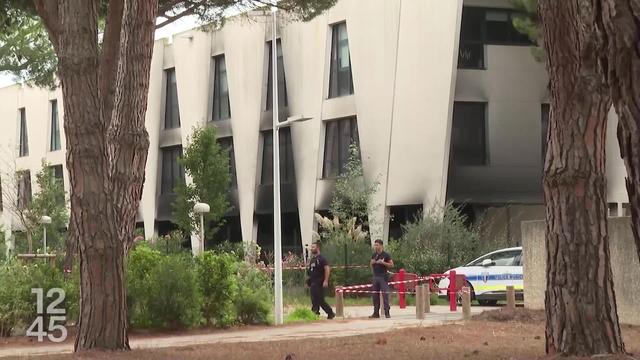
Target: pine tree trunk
point(105, 92)
point(580, 300)
point(620, 19)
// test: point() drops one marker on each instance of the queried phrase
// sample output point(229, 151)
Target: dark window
point(171, 107)
point(57, 172)
point(545, 129)
point(612, 209)
point(54, 142)
point(282, 83)
point(286, 157)
point(227, 145)
point(24, 189)
point(341, 81)
point(400, 216)
point(482, 26)
point(24, 137)
point(339, 136)
point(503, 258)
point(221, 105)
point(172, 170)
point(468, 142)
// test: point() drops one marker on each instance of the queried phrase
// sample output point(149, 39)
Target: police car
point(488, 276)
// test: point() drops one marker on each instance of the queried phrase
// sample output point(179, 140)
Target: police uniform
point(315, 280)
point(379, 283)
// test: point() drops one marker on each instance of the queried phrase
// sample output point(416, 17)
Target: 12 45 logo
point(56, 316)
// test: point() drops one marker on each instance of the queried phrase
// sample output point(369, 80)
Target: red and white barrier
point(451, 289)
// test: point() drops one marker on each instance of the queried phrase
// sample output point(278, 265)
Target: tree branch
point(48, 11)
point(171, 19)
point(109, 58)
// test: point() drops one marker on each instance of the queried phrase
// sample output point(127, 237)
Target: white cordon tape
point(304, 267)
point(419, 279)
point(352, 287)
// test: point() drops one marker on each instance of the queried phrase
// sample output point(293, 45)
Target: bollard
point(419, 302)
point(511, 297)
point(339, 303)
point(426, 290)
point(466, 303)
point(401, 295)
point(453, 304)
point(381, 295)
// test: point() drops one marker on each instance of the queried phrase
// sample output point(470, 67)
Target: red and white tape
point(376, 292)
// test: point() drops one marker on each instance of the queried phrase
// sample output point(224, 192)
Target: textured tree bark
point(106, 148)
point(620, 20)
point(580, 300)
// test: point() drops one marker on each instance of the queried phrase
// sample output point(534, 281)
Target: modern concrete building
point(444, 99)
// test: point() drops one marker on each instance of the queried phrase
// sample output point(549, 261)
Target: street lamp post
point(277, 231)
point(201, 208)
point(45, 220)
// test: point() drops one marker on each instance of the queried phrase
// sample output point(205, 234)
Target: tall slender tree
point(620, 64)
point(580, 300)
point(621, 60)
point(104, 75)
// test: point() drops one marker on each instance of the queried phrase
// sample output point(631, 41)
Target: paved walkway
point(355, 323)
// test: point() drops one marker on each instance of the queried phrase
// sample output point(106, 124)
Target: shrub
point(17, 303)
point(300, 314)
point(170, 244)
point(217, 281)
point(140, 263)
point(175, 300)
point(236, 249)
point(436, 242)
point(254, 298)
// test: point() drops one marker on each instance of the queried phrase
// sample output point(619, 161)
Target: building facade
point(444, 99)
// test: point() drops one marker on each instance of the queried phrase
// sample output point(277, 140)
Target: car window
point(518, 261)
point(504, 258)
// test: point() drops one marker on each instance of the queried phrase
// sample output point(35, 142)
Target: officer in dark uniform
point(318, 279)
point(380, 263)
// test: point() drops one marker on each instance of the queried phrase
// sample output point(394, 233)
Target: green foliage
point(170, 244)
point(345, 243)
point(254, 300)
point(15, 298)
point(352, 197)
point(18, 304)
point(216, 276)
point(162, 290)
point(237, 249)
point(529, 24)
point(208, 166)
point(50, 200)
point(27, 53)
point(142, 260)
point(301, 314)
point(174, 297)
point(25, 49)
point(436, 242)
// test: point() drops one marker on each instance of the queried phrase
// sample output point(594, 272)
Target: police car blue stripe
point(496, 277)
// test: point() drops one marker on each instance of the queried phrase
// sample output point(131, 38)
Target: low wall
point(624, 264)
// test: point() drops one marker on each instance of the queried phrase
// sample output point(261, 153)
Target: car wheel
point(488, 302)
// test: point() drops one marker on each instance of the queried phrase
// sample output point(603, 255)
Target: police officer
point(380, 263)
point(318, 279)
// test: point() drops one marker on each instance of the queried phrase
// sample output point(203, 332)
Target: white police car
point(488, 276)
